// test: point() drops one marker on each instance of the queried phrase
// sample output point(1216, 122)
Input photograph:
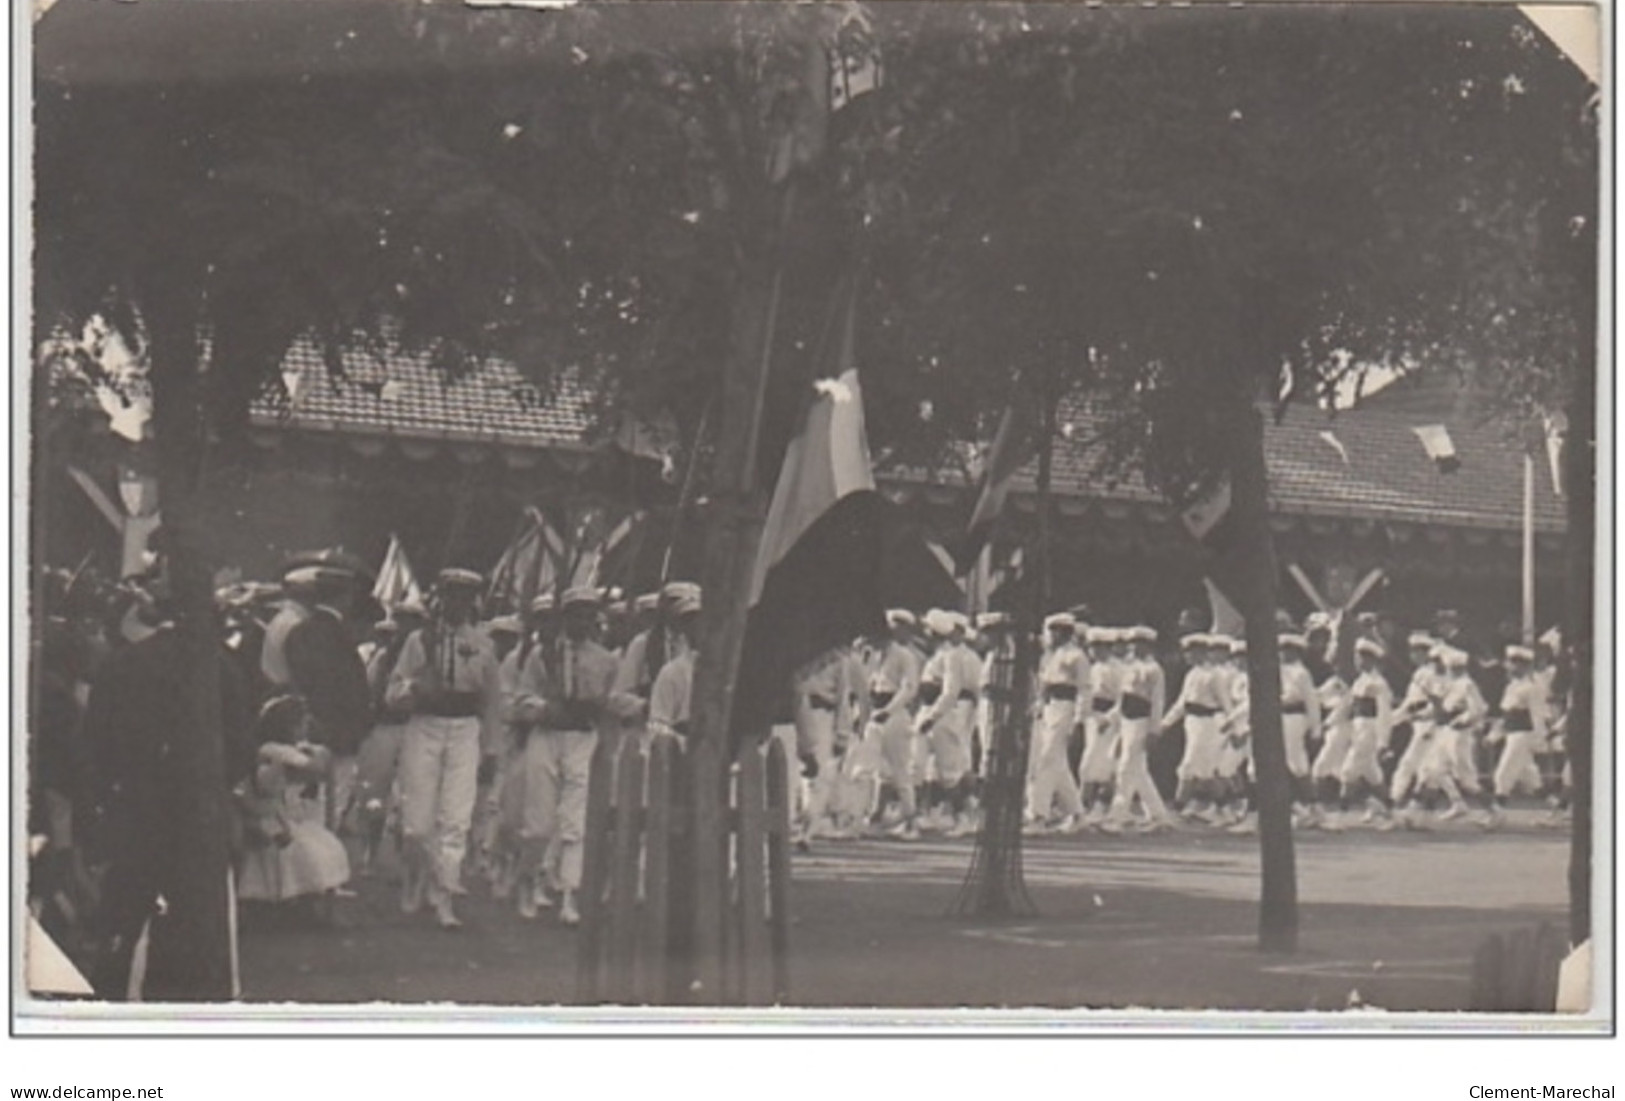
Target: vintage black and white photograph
point(781, 507)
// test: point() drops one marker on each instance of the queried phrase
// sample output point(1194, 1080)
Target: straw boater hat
point(1193, 641)
point(1238, 647)
point(505, 625)
point(675, 590)
point(582, 596)
point(993, 621)
point(1060, 621)
point(646, 602)
point(1292, 642)
point(456, 577)
point(1141, 633)
point(1520, 653)
point(1370, 647)
point(1454, 658)
point(1421, 640)
point(900, 617)
point(542, 604)
point(939, 622)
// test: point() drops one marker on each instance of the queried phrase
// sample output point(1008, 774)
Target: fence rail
point(636, 894)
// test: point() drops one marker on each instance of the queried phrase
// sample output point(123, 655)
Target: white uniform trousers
point(1360, 763)
point(1517, 767)
point(899, 757)
point(557, 766)
point(1329, 761)
point(1134, 774)
point(440, 762)
point(1411, 763)
point(815, 738)
point(1295, 731)
point(950, 743)
point(1202, 743)
point(1099, 763)
point(1452, 761)
point(1050, 771)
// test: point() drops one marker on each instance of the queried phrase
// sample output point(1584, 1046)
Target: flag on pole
point(396, 583)
point(1014, 446)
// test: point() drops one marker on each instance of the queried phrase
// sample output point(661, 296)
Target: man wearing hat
point(378, 759)
point(564, 693)
point(446, 681)
point(1371, 712)
point(1201, 707)
point(1063, 680)
point(826, 710)
point(1464, 713)
point(1336, 724)
point(948, 695)
point(1419, 708)
point(670, 698)
point(1234, 783)
point(539, 628)
point(1144, 692)
point(1099, 717)
point(325, 670)
point(493, 847)
point(1300, 724)
point(1521, 728)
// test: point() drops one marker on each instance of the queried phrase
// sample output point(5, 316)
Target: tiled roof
point(1387, 474)
point(1366, 463)
point(405, 395)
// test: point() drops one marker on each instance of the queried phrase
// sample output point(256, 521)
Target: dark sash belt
point(451, 705)
point(929, 692)
point(1365, 707)
point(1102, 704)
point(1201, 710)
point(1136, 707)
point(1064, 693)
point(819, 703)
point(1294, 708)
point(1519, 721)
point(967, 696)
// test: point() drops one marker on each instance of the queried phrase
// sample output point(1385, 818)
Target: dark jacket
point(327, 671)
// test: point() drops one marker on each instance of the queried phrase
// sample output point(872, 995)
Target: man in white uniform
point(1300, 724)
point(1520, 728)
point(1464, 713)
point(1106, 669)
point(446, 680)
point(564, 693)
point(1371, 713)
point(1420, 706)
point(1144, 690)
point(1063, 678)
point(1234, 807)
point(948, 694)
point(1201, 706)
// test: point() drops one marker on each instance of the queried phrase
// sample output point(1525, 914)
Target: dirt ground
point(1125, 922)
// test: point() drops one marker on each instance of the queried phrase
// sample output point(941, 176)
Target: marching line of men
point(899, 746)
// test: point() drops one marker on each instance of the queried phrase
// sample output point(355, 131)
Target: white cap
point(1060, 621)
point(505, 625)
point(1369, 646)
point(1454, 658)
point(1194, 640)
point(1097, 636)
point(900, 617)
point(939, 622)
point(1520, 653)
point(1297, 642)
point(1238, 646)
point(686, 603)
point(1421, 640)
point(1140, 633)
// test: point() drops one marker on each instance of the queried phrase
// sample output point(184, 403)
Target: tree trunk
point(197, 965)
point(1580, 478)
point(733, 517)
point(1278, 900)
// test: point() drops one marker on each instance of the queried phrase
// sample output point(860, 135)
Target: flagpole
point(1528, 548)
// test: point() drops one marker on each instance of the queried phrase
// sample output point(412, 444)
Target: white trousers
point(1329, 761)
point(950, 743)
point(1411, 762)
point(557, 766)
point(1202, 740)
point(1295, 731)
point(1452, 760)
point(1517, 767)
point(815, 737)
point(1050, 772)
point(440, 762)
point(1134, 774)
point(1361, 763)
point(1099, 761)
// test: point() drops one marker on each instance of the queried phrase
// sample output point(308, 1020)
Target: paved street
point(1160, 922)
